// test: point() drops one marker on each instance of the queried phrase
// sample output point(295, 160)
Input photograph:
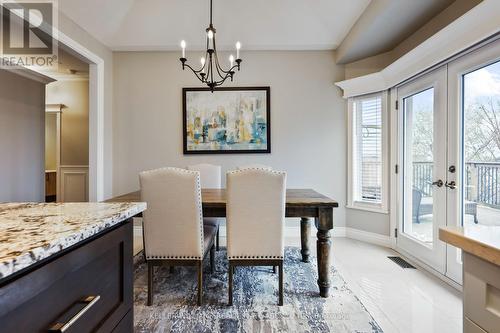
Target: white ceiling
point(258, 24)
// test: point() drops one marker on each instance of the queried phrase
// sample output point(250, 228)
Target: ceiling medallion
point(211, 72)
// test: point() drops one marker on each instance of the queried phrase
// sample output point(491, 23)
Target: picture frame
point(229, 120)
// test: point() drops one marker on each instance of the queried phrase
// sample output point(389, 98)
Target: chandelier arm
point(194, 71)
point(217, 64)
point(218, 83)
point(219, 67)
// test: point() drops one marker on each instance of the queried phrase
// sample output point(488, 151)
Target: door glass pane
point(418, 165)
point(481, 147)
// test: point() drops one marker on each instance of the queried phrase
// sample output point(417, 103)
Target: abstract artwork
point(229, 120)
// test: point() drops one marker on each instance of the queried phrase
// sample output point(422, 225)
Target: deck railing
point(482, 181)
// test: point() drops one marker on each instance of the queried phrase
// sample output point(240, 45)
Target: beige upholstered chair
point(174, 233)
point(255, 221)
point(254, 166)
point(210, 178)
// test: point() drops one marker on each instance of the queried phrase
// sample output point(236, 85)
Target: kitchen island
point(480, 246)
point(66, 266)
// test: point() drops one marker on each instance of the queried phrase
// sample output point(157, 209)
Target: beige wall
point(74, 119)
point(308, 126)
point(22, 138)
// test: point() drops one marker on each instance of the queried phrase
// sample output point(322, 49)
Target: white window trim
point(362, 205)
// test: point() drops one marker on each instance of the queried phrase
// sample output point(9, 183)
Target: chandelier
point(211, 72)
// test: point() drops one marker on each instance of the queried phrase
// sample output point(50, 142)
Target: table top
point(480, 240)
point(217, 198)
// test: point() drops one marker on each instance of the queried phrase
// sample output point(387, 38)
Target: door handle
point(451, 185)
point(438, 183)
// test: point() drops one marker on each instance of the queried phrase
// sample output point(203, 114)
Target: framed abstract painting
point(228, 121)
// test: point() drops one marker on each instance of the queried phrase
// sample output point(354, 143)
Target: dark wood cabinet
point(50, 292)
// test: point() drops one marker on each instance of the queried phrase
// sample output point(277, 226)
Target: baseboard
point(368, 237)
point(294, 232)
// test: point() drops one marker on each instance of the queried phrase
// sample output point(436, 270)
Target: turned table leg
point(305, 231)
point(324, 244)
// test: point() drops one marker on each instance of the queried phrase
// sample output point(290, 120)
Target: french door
point(422, 108)
point(449, 152)
point(474, 146)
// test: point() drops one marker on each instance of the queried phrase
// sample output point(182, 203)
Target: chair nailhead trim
point(173, 257)
point(255, 257)
point(255, 168)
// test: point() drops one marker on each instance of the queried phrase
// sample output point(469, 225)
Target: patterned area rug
point(255, 306)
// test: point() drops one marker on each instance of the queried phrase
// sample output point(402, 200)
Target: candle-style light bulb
point(231, 60)
point(183, 46)
point(202, 60)
point(210, 34)
point(238, 47)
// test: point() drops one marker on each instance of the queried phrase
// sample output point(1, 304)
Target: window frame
point(352, 203)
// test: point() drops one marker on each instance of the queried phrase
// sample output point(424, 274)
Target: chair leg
point(280, 303)
point(150, 284)
point(171, 269)
point(230, 289)
point(200, 282)
point(217, 239)
point(212, 259)
point(274, 269)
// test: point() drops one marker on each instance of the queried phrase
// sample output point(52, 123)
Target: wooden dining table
point(307, 204)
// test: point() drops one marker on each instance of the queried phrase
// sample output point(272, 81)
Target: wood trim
point(57, 110)
point(54, 107)
point(65, 170)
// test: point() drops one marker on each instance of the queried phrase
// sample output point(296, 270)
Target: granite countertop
point(30, 232)
point(482, 241)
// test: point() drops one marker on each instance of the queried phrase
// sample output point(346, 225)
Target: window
point(367, 153)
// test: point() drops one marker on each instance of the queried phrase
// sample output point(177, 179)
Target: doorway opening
point(67, 131)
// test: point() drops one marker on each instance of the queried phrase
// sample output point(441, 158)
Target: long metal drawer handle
point(62, 327)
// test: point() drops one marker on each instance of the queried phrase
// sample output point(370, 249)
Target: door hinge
point(396, 232)
point(396, 168)
point(397, 105)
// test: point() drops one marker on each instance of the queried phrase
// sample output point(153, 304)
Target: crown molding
point(472, 28)
point(30, 74)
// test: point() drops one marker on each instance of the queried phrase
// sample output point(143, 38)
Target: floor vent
point(401, 262)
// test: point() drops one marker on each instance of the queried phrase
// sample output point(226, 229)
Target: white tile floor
point(400, 300)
